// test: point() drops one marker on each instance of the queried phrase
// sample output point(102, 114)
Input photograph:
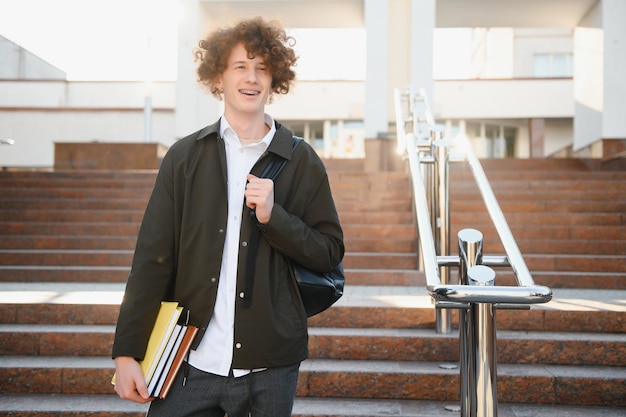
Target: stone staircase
point(66, 245)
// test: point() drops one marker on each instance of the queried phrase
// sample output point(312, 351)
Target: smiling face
point(246, 84)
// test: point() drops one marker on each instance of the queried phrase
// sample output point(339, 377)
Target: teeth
point(249, 92)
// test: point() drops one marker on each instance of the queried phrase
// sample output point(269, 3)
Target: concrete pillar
point(599, 83)
point(422, 39)
point(376, 85)
point(195, 107)
point(614, 115)
point(537, 137)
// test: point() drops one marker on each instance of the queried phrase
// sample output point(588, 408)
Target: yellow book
point(164, 325)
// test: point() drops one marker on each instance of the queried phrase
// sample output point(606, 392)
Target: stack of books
point(168, 346)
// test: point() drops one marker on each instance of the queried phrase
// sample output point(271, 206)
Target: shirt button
point(213, 279)
point(238, 345)
point(221, 230)
point(244, 243)
point(241, 295)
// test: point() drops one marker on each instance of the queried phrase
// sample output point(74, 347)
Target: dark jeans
point(268, 393)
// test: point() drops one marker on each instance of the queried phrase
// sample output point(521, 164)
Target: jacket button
point(221, 230)
point(244, 243)
point(241, 295)
point(238, 345)
point(213, 279)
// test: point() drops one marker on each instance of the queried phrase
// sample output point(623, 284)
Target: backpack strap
point(277, 163)
point(271, 171)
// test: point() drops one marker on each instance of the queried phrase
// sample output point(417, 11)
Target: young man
point(193, 247)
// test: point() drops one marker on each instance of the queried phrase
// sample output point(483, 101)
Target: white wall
point(80, 94)
point(476, 99)
point(36, 131)
point(529, 42)
point(319, 100)
point(18, 63)
point(560, 133)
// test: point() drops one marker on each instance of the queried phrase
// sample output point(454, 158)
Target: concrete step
point(350, 193)
point(570, 310)
point(552, 384)
point(135, 216)
point(569, 279)
point(523, 165)
point(63, 273)
point(469, 192)
point(142, 193)
point(95, 257)
point(66, 215)
point(354, 276)
point(357, 244)
point(514, 170)
point(561, 246)
point(409, 380)
point(364, 260)
point(547, 231)
point(546, 184)
point(528, 216)
point(504, 191)
point(91, 174)
point(42, 405)
point(78, 181)
point(52, 242)
point(524, 219)
point(540, 175)
point(513, 347)
point(34, 203)
point(571, 232)
point(540, 206)
point(72, 204)
point(69, 229)
point(119, 274)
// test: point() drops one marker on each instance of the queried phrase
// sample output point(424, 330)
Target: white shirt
point(215, 352)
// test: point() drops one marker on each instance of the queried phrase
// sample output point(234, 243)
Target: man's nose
point(251, 76)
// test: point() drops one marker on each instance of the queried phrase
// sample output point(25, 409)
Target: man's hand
point(130, 383)
point(259, 196)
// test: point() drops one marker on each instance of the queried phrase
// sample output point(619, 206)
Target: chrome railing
point(476, 295)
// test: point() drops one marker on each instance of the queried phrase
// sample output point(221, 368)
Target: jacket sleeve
point(304, 224)
point(153, 268)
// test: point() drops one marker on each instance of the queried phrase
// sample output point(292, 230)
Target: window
point(553, 65)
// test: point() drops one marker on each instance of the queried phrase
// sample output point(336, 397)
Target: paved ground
point(356, 295)
point(307, 406)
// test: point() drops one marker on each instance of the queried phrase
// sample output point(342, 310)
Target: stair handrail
point(526, 292)
point(477, 296)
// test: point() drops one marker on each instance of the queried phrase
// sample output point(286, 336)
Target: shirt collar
point(226, 130)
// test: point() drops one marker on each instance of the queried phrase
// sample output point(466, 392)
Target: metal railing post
point(470, 254)
point(484, 399)
point(441, 220)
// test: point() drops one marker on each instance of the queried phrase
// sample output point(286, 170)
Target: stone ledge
point(108, 156)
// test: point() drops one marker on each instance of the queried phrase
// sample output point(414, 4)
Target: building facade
point(520, 78)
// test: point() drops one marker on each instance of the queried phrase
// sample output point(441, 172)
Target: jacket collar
point(281, 143)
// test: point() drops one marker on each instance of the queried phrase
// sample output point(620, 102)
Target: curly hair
point(260, 38)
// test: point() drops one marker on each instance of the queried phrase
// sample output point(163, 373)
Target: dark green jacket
point(179, 249)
